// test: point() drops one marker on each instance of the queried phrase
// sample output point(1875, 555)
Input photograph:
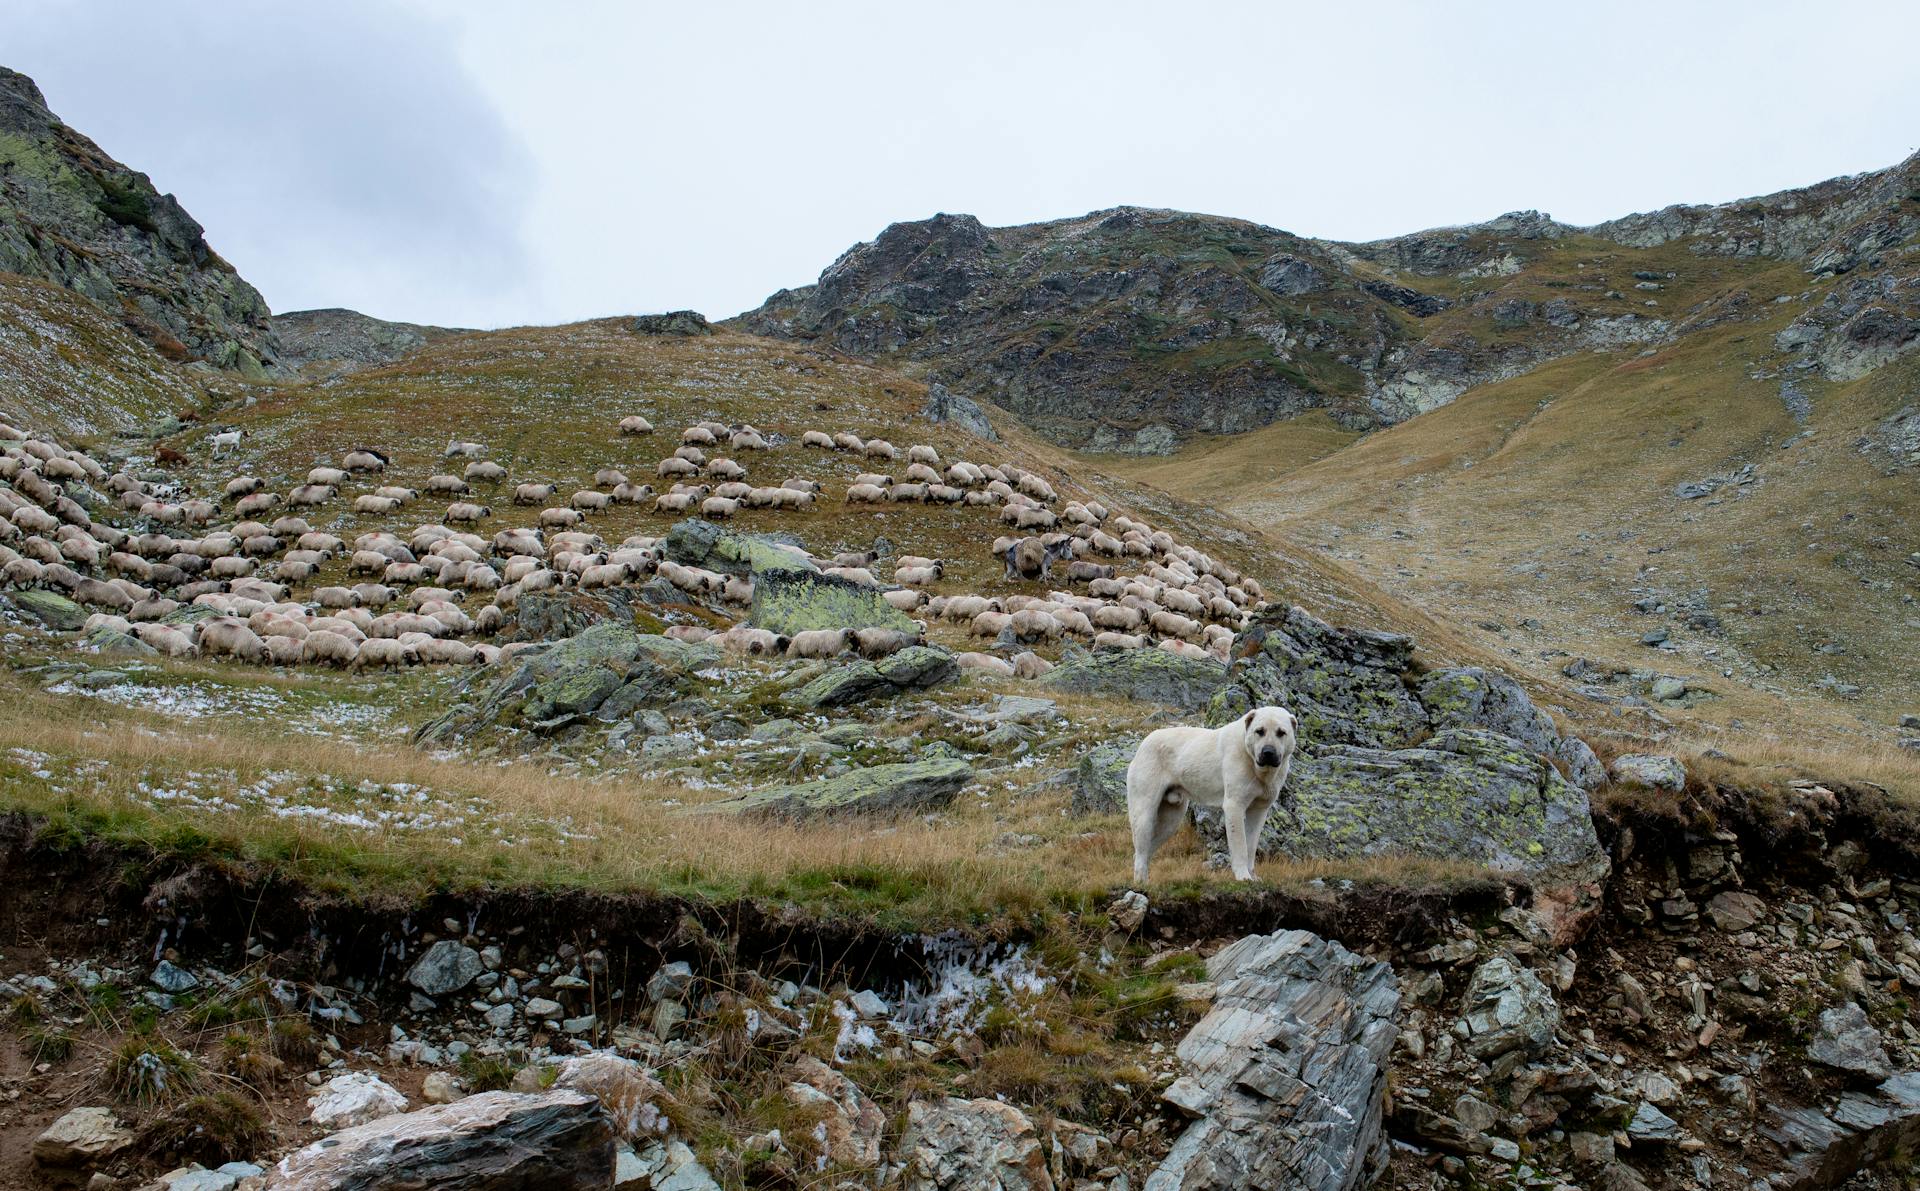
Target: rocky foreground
point(1681, 983)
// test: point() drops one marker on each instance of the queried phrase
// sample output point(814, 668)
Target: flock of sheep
point(403, 602)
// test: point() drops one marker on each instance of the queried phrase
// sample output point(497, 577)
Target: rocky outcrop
point(1466, 794)
point(903, 788)
point(72, 215)
point(683, 323)
point(1147, 675)
point(1286, 1075)
point(607, 672)
point(1344, 686)
point(1100, 780)
point(790, 601)
point(914, 668)
point(347, 341)
point(495, 1141)
point(1827, 1149)
point(945, 407)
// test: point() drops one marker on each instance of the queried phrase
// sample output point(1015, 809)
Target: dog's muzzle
point(1269, 758)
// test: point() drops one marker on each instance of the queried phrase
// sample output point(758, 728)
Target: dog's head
point(1268, 735)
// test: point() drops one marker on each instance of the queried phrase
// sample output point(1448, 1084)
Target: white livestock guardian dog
point(1240, 768)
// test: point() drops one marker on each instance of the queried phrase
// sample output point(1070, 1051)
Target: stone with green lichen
point(904, 788)
point(1467, 794)
point(1470, 697)
point(698, 543)
point(572, 694)
point(1344, 686)
point(1100, 780)
point(1146, 675)
point(104, 640)
point(792, 601)
point(916, 667)
point(51, 609)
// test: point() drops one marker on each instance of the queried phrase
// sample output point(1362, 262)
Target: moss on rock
point(903, 788)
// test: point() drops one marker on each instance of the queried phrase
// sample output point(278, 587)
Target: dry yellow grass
point(118, 772)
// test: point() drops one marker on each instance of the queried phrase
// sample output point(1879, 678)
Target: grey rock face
point(495, 1141)
point(1148, 675)
point(1507, 1008)
point(447, 966)
point(1827, 1149)
point(348, 340)
point(1343, 685)
point(72, 215)
point(878, 789)
point(1100, 780)
point(81, 1137)
point(1847, 1042)
point(916, 667)
point(960, 1145)
point(171, 979)
point(1651, 770)
point(1286, 1075)
point(945, 406)
point(1465, 794)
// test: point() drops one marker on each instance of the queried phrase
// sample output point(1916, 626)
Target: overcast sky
point(473, 163)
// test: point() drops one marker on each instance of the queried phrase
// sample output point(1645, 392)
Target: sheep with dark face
point(1033, 558)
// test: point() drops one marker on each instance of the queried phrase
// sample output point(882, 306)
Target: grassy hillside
point(67, 367)
point(1543, 507)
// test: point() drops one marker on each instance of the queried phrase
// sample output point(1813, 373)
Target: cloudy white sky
point(477, 163)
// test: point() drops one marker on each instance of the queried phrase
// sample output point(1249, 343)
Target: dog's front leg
point(1234, 811)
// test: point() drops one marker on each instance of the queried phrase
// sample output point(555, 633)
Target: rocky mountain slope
point(1130, 330)
point(72, 215)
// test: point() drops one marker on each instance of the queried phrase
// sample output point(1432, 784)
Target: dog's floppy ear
point(1249, 720)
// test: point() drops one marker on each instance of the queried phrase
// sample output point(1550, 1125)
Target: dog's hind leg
point(1150, 834)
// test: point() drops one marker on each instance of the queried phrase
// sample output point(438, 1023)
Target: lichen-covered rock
point(674, 322)
point(700, 543)
point(50, 608)
point(635, 1102)
point(1466, 794)
point(903, 788)
point(1470, 697)
point(495, 1141)
point(971, 1145)
point(1344, 686)
point(1146, 675)
point(447, 966)
point(916, 667)
point(796, 601)
point(1652, 770)
point(1286, 1075)
point(610, 670)
point(1100, 780)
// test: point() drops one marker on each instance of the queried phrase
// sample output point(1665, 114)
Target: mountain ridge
point(1129, 329)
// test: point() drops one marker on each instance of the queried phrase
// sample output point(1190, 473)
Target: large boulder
point(607, 671)
point(699, 543)
point(1344, 686)
point(675, 322)
point(1286, 1075)
point(971, 1145)
point(904, 788)
point(793, 601)
point(1653, 770)
point(495, 1141)
point(1470, 697)
point(1847, 1042)
point(50, 608)
point(944, 406)
point(1466, 794)
point(916, 667)
point(1144, 675)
